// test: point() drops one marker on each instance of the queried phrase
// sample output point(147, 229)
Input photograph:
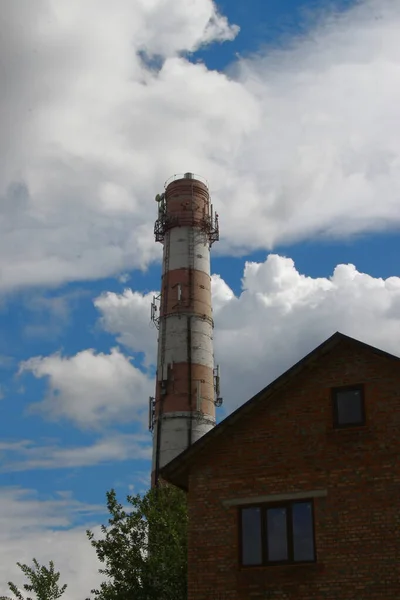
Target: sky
point(290, 110)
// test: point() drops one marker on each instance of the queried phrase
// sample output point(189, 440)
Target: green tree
point(43, 582)
point(144, 550)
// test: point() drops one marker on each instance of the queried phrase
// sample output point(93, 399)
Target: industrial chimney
point(187, 384)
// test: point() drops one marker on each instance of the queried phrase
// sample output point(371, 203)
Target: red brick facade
point(286, 444)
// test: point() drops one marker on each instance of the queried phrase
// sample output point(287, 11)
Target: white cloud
point(295, 142)
point(127, 315)
point(279, 316)
point(82, 117)
point(91, 389)
point(325, 158)
point(48, 530)
point(25, 455)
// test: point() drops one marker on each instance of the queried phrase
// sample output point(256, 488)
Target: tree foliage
point(43, 582)
point(144, 550)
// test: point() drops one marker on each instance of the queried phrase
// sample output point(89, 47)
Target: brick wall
point(287, 444)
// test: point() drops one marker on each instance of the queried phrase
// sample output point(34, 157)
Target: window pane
point(349, 407)
point(277, 534)
point(251, 536)
point(303, 531)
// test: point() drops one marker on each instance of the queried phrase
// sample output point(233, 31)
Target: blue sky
point(292, 118)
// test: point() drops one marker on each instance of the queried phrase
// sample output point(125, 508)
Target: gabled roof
point(177, 471)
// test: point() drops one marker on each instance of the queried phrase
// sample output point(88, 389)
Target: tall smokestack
point(187, 384)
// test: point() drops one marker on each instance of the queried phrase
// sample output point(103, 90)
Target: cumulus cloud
point(127, 316)
point(102, 105)
point(48, 530)
point(82, 116)
point(25, 455)
point(279, 316)
point(91, 389)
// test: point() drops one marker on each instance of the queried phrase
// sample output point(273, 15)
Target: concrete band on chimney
point(187, 384)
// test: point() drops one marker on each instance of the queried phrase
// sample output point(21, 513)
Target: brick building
point(296, 495)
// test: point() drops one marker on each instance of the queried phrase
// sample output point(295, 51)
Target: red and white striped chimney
point(187, 385)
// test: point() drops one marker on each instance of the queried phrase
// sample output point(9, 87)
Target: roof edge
point(175, 471)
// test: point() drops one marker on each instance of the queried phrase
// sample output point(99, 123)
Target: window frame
point(287, 504)
point(347, 388)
